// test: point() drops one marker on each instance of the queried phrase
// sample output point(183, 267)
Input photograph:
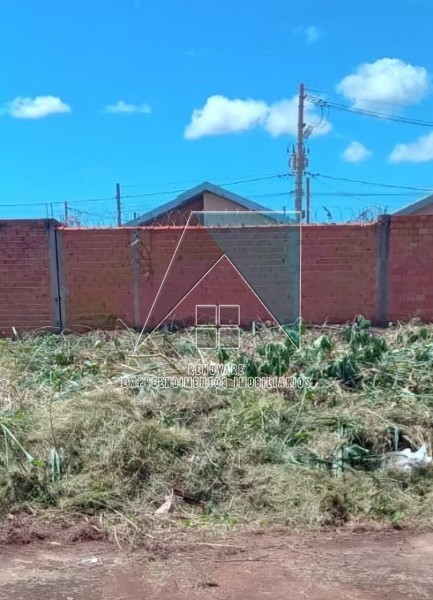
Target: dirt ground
point(337, 566)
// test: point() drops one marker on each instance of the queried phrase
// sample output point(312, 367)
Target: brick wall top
point(162, 228)
point(341, 226)
point(311, 226)
point(28, 222)
point(408, 220)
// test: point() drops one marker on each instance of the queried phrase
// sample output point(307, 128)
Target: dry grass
point(75, 441)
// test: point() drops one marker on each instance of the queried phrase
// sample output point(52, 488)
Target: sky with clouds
point(160, 95)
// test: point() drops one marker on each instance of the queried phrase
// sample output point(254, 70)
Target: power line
point(55, 202)
point(243, 179)
point(361, 182)
point(334, 190)
point(146, 195)
point(276, 176)
point(281, 176)
point(352, 99)
point(336, 193)
point(321, 103)
point(240, 181)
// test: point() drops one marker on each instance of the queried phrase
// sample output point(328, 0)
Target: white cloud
point(282, 118)
point(123, 107)
point(419, 151)
point(388, 80)
point(356, 152)
point(221, 115)
point(312, 34)
point(35, 108)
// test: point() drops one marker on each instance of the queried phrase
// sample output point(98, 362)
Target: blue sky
point(161, 95)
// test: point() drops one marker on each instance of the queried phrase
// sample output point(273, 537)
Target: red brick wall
point(411, 267)
point(99, 266)
point(338, 272)
point(193, 261)
point(25, 300)
point(97, 276)
point(223, 286)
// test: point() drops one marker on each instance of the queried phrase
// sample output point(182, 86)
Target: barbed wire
point(334, 215)
point(330, 213)
point(325, 214)
point(106, 216)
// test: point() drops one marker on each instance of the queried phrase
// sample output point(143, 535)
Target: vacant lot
point(85, 458)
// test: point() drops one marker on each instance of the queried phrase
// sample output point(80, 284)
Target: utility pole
point(66, 213)
point(119, 214)
point(300, 154)
point(308, 197)
point(298, 160)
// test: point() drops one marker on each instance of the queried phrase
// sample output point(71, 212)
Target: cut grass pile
point(74, 439)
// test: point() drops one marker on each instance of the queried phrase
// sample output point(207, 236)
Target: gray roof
point(189, 195)
point(415, 206)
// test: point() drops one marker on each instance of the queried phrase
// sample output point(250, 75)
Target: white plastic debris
point(406, 460)
point(92, 560)
point(164, 508)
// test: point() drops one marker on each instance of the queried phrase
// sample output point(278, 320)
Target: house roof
point(415, 206)
point(190, 195)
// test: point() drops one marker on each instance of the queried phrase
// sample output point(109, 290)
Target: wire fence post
point(119, 213)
